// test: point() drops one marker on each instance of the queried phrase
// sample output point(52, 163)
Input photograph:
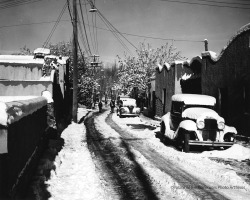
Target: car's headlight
point(200, 124)
point(221, 125)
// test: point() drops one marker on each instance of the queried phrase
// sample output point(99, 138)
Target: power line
point(93, 19)
point(130, 34)
point(116, 30)
point(224, 2)
point(116, 35)
point(88, 24)
point(34, 23)
point(85, 45)
point(155, 38)
point(96, 36)
point(55, 26)
point(17, 3)
point(204, 4)
point(84, 26)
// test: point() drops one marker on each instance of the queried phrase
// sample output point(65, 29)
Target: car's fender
point(230, 129)
point(188, 125)
point(227, 130)
point(166, 120)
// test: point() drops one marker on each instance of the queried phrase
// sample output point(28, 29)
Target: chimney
point(206, 44)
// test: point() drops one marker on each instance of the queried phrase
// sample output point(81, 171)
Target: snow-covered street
point(134, 164)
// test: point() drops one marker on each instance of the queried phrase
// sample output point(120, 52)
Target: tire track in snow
point(187, 181)
point(125, 178)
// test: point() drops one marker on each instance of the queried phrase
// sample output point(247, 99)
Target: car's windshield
point(197, 106)
point(178, 107)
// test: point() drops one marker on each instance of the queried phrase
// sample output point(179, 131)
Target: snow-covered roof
point(180, 62)
point(60, 60)
point(194, 99)
point(187, 62)
point(196, 58)
point(44, 51)
point(24, 59)
point(213, 56)
point(167, 66)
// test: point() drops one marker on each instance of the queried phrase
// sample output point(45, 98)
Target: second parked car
point(127, 107)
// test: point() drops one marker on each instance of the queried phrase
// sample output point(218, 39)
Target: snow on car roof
point(197, 112)
point(195, 99)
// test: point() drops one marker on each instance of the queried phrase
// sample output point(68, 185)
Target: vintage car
point(193, 121)
point(127, 107)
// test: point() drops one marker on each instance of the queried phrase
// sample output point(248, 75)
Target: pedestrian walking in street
point(112, 105)
point(100, 106)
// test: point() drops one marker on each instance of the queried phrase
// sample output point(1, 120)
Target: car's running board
point(210, 143)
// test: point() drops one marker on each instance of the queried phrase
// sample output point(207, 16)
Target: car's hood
point(198, 112)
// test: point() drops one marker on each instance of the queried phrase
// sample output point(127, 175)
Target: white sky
point(151, 18)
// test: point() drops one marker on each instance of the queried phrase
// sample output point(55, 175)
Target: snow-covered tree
point(136, 71)
point(87, 82)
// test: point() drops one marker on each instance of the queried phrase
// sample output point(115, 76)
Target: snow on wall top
point(13, 109)
point(17, 107)
point(194, 99)
point(24, 59)
point(213, 56)
point(61, 60)
point(177, 62)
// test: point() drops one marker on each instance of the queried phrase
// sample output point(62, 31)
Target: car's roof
point(196, 112)
point(124, 97)
point(194, 99)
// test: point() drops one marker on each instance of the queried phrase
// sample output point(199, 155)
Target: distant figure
point(100, 106)
point(93, 105)
point(112, 105)
point(119, 105)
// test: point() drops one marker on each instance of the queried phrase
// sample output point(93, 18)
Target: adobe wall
point(24, 88)
point(227, 78)
point(20, 71)
point(164, 79)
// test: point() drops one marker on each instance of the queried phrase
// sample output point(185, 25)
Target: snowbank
point(75, 176)
point(236, 152)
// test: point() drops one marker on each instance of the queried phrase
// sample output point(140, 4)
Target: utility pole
point(75, 69)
